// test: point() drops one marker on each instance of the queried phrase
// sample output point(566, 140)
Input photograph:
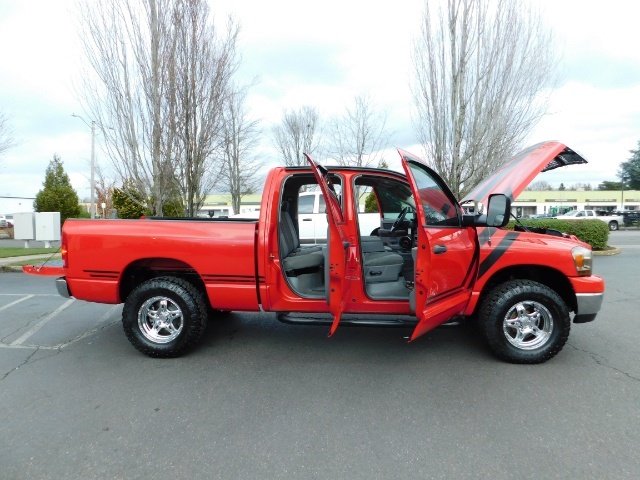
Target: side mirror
point(498, 210)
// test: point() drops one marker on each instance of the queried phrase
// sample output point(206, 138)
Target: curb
point(607, 253)
point(8, 264)
point(9, 268)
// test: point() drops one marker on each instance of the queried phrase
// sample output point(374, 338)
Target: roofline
point(337, 168)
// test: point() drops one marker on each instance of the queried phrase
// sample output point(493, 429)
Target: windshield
point(572, 213)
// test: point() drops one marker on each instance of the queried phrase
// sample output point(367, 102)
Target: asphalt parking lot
point(259, 399)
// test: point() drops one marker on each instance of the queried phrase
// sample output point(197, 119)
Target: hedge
point(593, 232)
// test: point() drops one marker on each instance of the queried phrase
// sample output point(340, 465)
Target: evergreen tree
point(57, 194)
point(607, 185)
point(129, 202)
point(371, 203)
point(629, 171)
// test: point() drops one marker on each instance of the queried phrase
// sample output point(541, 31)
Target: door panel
point(447, 252)
point(338, 280)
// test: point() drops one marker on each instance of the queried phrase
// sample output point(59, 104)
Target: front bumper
point(589, 293)
point(588, 305)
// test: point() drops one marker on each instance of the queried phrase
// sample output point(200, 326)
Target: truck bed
point(221, 252)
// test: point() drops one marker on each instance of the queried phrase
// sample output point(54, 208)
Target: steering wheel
point(396, 224)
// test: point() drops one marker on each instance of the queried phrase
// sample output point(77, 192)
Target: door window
point(305, 203)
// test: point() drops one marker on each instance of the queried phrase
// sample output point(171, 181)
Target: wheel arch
point(552, 278)
point(145, 269)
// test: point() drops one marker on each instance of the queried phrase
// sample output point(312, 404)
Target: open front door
point(337, 286)
point(446, 255)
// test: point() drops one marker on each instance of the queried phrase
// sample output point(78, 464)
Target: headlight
point(582, 258)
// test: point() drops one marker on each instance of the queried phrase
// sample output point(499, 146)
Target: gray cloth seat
point(382, 267)
point(293, 256)
point(301, 262)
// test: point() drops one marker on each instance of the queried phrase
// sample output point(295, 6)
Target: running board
point(292, 319)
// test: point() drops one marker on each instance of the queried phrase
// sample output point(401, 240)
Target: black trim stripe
point(497, 252)
point(102, 273)
point(245, 279)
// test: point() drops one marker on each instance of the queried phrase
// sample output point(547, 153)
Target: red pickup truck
point(429, 261)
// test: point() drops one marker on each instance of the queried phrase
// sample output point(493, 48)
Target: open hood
point(514, 176)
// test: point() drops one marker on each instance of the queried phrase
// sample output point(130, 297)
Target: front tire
point(164, 317)
point(524, 322)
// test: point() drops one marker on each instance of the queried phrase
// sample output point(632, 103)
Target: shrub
point(593, 232)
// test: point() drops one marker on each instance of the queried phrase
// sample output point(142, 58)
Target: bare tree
point(298, 133)
point(199, 77)
point(481, 70)
point(6, 134)
point(154, 66)
point(359, 136)
point(239, 172)
point(583, 187)
point(104, 192)
point(539, 186)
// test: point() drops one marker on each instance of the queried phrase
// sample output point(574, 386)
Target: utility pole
point(93, 168)
point(92, 209)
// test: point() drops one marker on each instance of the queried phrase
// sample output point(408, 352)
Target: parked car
point(6, 221)
point(540, 216)
point(630, 217)
point(613, 221)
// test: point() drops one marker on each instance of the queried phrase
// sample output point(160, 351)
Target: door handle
point(306, 219)
point(439, 249)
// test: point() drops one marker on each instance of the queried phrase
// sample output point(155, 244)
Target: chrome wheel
point(524, 321)
point(528, 325)
point(160, 319)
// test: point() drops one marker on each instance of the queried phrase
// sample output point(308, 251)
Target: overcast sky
point(323, 54)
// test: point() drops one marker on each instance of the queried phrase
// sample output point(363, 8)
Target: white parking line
point(34, 294)
point(102, 319)
point(15, 302)
point(41, 323)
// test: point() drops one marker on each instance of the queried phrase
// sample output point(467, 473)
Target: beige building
point(219, 205)
point(557, 201)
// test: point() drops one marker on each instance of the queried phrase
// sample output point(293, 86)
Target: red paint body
point(239, 264)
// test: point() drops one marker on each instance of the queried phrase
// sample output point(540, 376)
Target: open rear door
point(337, 245)
point(446, 255)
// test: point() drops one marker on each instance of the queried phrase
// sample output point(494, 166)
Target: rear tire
point(164, 317)
point(613, 226)
point(524, 322)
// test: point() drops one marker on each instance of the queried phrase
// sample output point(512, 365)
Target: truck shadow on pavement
point(264, 331)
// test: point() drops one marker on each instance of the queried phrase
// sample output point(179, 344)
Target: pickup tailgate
point(102, 255)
